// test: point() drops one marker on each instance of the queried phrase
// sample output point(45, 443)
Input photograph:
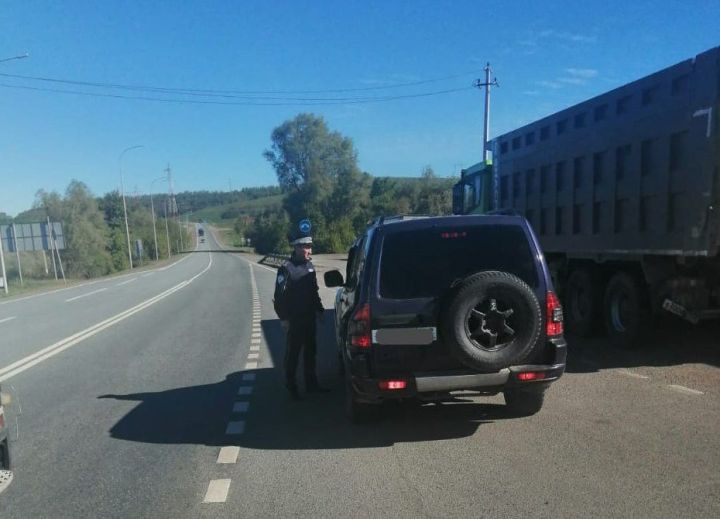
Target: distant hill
point(230, 212)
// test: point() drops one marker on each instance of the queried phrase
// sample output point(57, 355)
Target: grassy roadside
point(33, 286)
point(229, 239)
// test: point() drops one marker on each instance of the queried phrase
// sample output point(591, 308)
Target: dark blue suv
point(432, 305)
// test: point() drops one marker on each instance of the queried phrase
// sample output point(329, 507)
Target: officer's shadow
point(200, 414)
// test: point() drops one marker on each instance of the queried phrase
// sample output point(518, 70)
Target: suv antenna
point(486, 122)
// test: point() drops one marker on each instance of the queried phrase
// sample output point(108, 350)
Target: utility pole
point(486, 126)
point(17, 253)
point(2, 265)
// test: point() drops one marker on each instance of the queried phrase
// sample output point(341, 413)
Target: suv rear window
point(426, 262)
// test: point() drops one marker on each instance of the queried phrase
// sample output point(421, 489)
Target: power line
point(213, 92)
point(289, 101)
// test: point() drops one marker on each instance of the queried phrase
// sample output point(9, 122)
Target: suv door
point(349, 294)
point(414, 272)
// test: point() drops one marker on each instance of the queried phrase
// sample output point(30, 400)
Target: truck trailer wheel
point(583, 300)
point(627, 312)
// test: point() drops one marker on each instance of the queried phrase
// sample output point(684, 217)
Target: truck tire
point(627, 312)
point(583, 300)
point(492, 320)
point(525, 401)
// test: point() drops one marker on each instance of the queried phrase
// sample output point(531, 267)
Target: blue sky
point(546, 56)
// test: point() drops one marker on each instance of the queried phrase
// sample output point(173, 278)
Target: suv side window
point(356, 260)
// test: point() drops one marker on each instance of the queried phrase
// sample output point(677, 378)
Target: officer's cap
point(302, 240)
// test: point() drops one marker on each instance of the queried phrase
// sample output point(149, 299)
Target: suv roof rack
point(397, 217)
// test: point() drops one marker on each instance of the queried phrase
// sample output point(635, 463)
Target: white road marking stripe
point(85, 295)
point(253, 356)
point(241, 407)
point(632, 374)
point(102, 280)
point(255, 347)
point(245, 390)
point(217, 491)
point(235, 427)
point(248, 376)
point(228, 455)
point(686, 390)
point(256, 335)
point(251, 365)
point(126, 282)
point(36, 358)
point(7, 319)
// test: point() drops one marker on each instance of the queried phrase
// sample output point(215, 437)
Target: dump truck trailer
point(623, 193)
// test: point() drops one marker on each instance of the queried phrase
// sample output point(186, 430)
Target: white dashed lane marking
point(217, 491)
point(126, 282)
point(235, 427)
point(685, 390)
point(85, 295)
point(251, 365)
point(228, 455)
point(253, 356)
point(241, 407)
point(8, 319)
point(632, 374)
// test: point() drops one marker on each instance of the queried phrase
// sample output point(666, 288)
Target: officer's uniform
point(297, 300)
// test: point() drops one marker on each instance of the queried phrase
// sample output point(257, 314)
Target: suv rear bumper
point(368, 389)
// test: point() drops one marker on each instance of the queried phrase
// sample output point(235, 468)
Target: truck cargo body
point(625, 184)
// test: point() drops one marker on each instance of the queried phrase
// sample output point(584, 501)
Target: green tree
point(85, 232)
point(318, 170)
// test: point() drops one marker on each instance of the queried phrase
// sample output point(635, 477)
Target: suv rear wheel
point(359, 412)
point(493, 321)
point(524, 402)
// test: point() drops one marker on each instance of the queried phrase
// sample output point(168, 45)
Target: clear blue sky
point(546, 55)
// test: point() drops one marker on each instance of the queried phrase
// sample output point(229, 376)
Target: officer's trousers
point(301, 335)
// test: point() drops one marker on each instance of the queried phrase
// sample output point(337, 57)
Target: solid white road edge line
point(86, 294)
point(52, 350)
point(126, 282)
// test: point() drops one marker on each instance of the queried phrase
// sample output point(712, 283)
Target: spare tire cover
point(491, 320)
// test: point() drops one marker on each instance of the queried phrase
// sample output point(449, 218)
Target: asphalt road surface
point(158, 394)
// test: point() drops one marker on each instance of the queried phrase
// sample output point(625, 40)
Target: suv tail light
point(390, 385)
point(359, 327)
point(554, 315)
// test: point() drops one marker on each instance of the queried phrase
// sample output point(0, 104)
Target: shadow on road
point(199, 414)
point(671, 343)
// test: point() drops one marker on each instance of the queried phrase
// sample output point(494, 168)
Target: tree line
point(318, 174)
point(94, 232)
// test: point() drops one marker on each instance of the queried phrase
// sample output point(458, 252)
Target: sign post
point(2, 262)
point(17, 253)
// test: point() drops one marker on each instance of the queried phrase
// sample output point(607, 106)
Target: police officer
point(297, 303)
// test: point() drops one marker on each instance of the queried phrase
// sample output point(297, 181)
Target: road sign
point(32, 236)
point(305, 226)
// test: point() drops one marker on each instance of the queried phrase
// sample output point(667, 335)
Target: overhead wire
point(248, 102)
point(213, 92)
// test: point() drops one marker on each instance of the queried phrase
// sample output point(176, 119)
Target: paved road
point(175, 401)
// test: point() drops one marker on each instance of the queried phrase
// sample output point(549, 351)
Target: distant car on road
point(431, 305)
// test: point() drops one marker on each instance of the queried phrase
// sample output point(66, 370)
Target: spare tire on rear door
point(492, 320)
